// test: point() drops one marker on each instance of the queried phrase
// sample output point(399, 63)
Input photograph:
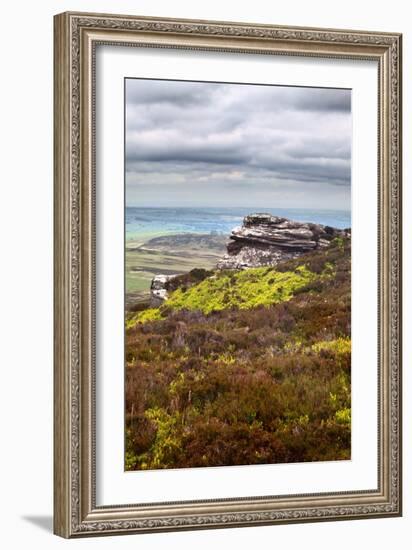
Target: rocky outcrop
point(262, 240)
point(159, 289)
point(266, 240)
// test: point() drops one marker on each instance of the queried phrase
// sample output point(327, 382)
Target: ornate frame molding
point(76, 35)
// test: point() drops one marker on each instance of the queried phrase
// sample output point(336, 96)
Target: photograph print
point(237, 274)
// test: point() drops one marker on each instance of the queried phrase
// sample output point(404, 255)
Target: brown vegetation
point(254, 385)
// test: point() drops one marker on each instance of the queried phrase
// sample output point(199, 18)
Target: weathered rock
point(159, 290)
point(266, 240)
point(262, 240)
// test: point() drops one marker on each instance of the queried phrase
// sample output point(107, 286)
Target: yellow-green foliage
point(130, 456)
point(343, 416)
point(226, 359)
point(244, 289)
point(131, 321)
point(339, 241)
point(166, 444)
point(339, 346)
point(260, 286)
point(151, 314)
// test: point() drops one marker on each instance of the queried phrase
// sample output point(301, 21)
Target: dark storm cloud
point(190, 133)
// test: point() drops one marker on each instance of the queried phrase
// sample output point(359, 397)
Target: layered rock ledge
point(262, 240)
point(266, 240)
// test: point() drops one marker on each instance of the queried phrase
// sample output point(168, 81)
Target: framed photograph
point(227, 274)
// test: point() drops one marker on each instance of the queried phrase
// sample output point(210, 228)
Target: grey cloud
point(195, 155)
point(190, 133)
point(189, 93)
point(149, 92)
point(321, 100)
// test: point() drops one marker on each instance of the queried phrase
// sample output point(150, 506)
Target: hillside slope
point(243, 367)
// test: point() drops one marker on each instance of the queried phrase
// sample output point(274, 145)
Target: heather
point(243, 367)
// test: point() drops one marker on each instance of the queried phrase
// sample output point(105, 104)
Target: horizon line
point(249, 207)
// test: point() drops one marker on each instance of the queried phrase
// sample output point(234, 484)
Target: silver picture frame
point(76, 36)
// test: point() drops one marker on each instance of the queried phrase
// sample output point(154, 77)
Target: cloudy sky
point(215, 144)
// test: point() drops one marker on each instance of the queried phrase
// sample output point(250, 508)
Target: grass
point(144, 260)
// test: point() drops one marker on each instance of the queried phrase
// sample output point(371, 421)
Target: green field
point(169, 255)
